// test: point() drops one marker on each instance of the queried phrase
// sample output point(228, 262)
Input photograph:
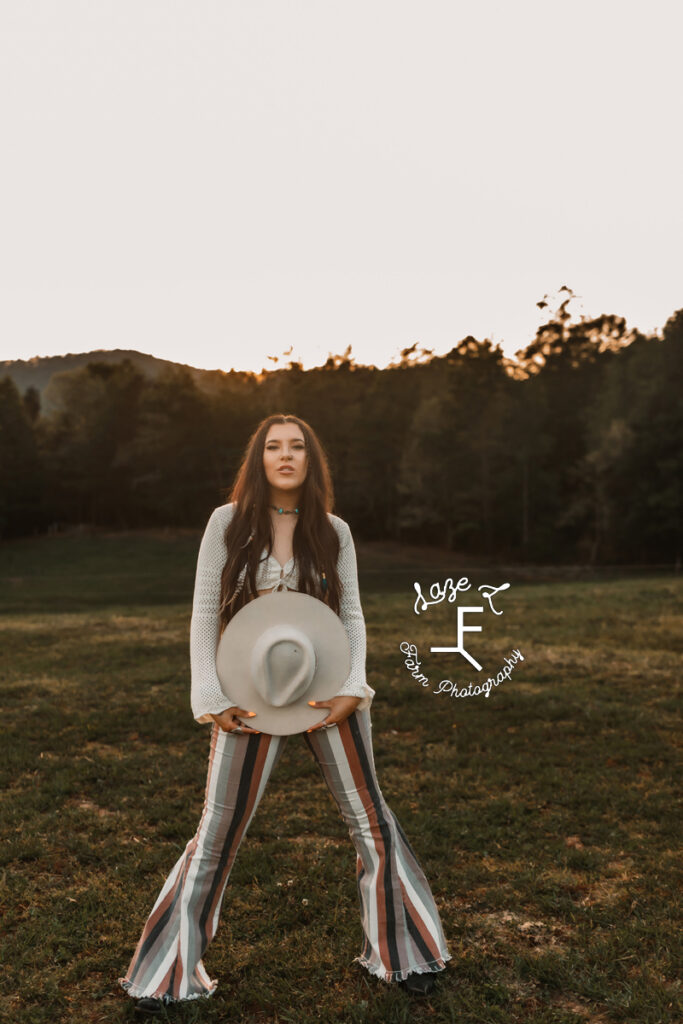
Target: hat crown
point(283, 664)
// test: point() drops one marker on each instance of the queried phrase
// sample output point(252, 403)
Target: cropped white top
point(207, 696)
point(270, 575)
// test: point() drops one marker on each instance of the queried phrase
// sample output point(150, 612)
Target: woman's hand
point(341, 708)
point(229, 722)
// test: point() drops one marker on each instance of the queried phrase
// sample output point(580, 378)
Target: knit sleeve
point(207, 695)
point(351, 614)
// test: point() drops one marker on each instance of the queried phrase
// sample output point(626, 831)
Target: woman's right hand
point(229, 722)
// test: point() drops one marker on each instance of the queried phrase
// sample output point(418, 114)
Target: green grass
point(544, 816)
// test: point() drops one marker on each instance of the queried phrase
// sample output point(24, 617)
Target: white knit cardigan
point(207, 696)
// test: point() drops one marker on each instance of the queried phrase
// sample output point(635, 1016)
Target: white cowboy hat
point(278, 652)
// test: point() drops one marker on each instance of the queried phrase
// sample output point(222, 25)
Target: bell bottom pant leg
point(401, 924)
point(167, 962)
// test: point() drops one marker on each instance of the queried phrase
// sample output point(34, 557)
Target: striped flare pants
point(402, 931)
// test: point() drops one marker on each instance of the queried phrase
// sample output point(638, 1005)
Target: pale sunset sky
point(215, 182)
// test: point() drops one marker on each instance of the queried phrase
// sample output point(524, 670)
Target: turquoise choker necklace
point(285, 511)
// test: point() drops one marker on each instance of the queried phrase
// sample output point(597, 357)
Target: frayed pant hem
point(138, 993)
point(431, 967)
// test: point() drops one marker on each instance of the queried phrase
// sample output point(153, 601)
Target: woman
point(277, 532)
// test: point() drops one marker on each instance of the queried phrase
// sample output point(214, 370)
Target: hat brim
point(332, 650)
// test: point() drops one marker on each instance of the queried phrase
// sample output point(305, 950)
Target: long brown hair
point(315, 543)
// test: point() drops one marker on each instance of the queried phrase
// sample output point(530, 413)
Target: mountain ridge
point(38, 370)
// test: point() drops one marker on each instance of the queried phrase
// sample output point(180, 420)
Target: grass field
point(545, 816)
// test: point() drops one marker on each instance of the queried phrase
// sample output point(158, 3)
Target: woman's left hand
point(340, 709)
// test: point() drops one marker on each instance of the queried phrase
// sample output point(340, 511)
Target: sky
point(218, 183)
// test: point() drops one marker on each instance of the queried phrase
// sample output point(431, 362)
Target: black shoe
point(150, 1006)
point(418, 984)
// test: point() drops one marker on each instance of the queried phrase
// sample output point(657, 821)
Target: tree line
point(572, 453)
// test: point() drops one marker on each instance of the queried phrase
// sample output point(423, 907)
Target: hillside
point(39, 370)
